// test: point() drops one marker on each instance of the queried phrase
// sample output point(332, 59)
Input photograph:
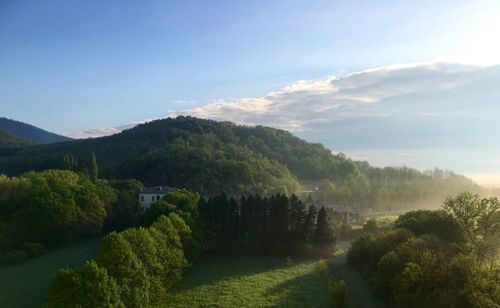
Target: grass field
point(214, 281)
point(245, 281)
point(26, 285)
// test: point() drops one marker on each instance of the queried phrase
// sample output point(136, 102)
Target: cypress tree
point(323, 233)
point(93, 168)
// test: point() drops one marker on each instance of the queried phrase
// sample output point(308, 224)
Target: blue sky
point(71, 66)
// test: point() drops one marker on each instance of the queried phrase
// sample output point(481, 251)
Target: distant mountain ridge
point(10, 141)
point(211, 157)
point(29, 132)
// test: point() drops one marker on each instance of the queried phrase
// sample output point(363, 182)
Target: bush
point(338, 292)
point(33, 249)
point(87, 286)
point(13, 257)
point(370, 226)
point(436, 222)
point(366, 251)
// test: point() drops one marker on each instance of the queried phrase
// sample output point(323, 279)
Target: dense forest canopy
point(211, 157)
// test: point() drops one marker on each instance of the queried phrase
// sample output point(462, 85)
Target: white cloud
point(378, 92)
point(104, 131)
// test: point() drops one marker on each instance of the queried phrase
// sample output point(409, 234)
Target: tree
point(479, 222)
point(123, 212)
point(89, 286)
point(169, 246)
point(323, 235)
point(310, 224)
point(53, 207)
point(330, 193)
point(438, 222)
point(298, 216)
point(93, 168)
point(143, 246)
point(117, 257)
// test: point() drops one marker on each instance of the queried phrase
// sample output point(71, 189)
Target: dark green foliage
point(366, 251)
point(10, 141)
point(16, 256)
point(338, 292)
point(370, 226)
point(323, 234)
point(92, 167)
point(29, 132)
point(89, 286)
point(439, 223)
point(211, 157)
point(33, 249)
point(123, 212)
point(277, 225)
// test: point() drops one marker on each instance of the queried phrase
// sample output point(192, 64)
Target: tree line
point(57, 207)
point(441, 258)
point(277, 224)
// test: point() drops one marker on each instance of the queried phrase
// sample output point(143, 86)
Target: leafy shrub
point(366, 252)
point(338, 292)
point(437, 222)
point(322, 268)
point(13, 257)
point(33, 249)
point(88, 286)
point(370, 226)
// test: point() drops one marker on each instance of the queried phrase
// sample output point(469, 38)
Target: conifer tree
point(93, 168)
point(323, 233)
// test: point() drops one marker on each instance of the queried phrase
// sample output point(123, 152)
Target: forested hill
point(8, 141)
point(29, 132)
point(211, 157)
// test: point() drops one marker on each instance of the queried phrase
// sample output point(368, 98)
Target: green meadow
point(213, 281)
point(26, 285)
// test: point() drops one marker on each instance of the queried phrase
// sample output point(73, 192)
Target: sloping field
point(246, 281)
point(26, 285)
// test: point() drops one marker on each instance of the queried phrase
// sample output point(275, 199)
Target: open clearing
point(245, 281)
point(213, 281)
point(250, 281)
point(26, 285)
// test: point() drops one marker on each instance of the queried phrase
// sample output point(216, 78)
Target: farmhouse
point(150, 195)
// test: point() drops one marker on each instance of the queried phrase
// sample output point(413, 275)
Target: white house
point(150, 195)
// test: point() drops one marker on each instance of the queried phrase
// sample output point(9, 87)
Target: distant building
point(152, 194)
point(349, 214)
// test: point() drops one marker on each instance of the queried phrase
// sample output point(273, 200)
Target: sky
point(390, 82)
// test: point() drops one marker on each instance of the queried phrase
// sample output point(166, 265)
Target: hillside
point(9, 141)
point(211, 157)
point(29, 132)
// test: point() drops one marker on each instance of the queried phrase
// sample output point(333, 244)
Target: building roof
point(158, 190)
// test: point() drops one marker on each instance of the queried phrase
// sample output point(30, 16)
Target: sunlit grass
point(246, 281)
